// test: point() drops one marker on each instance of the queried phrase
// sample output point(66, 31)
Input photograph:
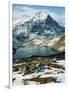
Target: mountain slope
point(60, 45)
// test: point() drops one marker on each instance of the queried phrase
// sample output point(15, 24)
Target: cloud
point(27, 8)
point(21, 13)
point(23, 8)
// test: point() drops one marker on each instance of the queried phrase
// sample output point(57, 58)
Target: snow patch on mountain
point(24, 16)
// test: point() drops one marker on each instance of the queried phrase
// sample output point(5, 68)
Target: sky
point(58, 13)
point(59, 10)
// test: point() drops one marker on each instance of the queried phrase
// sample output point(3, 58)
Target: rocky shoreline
point(40, 70)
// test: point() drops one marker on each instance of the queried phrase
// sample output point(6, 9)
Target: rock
point(41, 67)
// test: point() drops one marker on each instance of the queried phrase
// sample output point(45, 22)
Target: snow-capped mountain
point(27, 15)
point(39, 26)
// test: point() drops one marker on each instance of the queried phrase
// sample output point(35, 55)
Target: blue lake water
point(36, 50)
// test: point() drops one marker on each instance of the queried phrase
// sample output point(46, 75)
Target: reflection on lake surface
point(36, 50)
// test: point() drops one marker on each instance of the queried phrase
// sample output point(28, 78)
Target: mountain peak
point(40, 14)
